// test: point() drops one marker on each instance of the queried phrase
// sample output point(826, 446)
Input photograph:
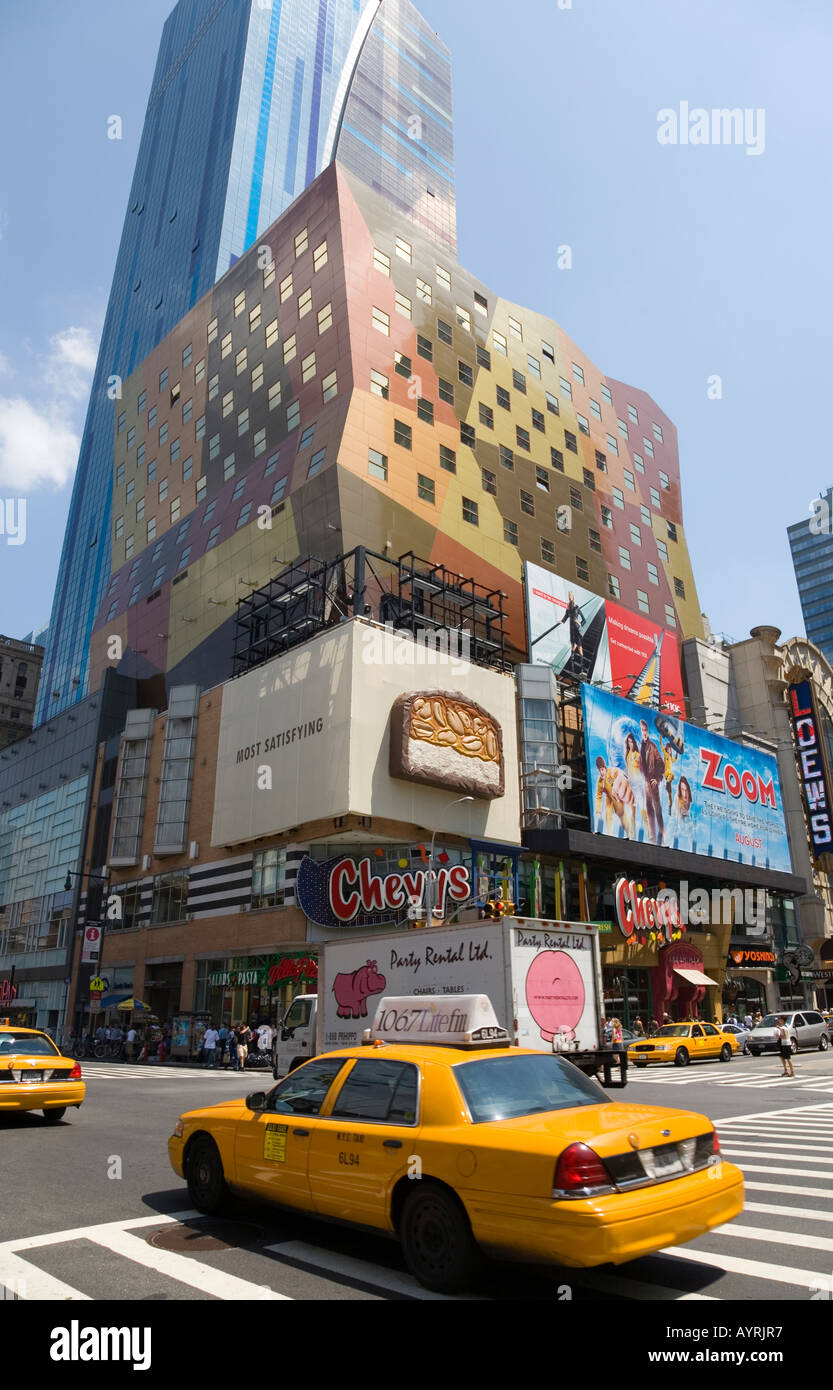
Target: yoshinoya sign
point(343, 892)
point(812, 771)
point(740, 959)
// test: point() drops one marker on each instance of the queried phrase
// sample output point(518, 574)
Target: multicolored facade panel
point(365, 389)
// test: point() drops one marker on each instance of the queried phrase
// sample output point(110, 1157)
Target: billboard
point(579, 634)
point(815, 784)
point(655, 778)
point(308, 737)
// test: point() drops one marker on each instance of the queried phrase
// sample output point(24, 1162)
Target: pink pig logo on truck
point(352, 991)
point(555, 994)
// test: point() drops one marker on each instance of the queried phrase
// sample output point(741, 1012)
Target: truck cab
point(295, 1040)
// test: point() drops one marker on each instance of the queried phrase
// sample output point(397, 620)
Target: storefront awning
point(693, 977)
point(112, 1001)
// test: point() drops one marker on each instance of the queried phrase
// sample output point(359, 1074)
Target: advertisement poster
point(653, 777)
point(580, 635)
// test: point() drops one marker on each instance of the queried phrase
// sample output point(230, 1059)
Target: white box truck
point(543, 978)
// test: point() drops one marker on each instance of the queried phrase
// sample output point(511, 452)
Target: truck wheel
point(681, 1059)
point(204, 1172)
point(725, 1053)
point(436, 1240)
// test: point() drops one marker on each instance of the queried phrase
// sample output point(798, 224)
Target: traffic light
point(507, 908)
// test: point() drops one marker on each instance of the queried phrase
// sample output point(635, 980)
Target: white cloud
point(40, 433)
point(36, 446)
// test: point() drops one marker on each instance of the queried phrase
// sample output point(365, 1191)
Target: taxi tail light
point(715, 1144)
point(75, 1074)
point(580, 1172)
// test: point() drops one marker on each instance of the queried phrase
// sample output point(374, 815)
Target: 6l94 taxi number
point(350, 1160)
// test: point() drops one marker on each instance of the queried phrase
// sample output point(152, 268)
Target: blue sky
point(688, 261)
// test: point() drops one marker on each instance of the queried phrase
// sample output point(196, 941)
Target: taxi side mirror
point(256, 1101)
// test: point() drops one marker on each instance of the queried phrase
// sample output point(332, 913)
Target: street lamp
point(430, 876)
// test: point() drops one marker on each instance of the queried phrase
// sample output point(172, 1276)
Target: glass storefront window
point(268, 878)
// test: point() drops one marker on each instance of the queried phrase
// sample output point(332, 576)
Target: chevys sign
point(343, 893)
point(637, 913)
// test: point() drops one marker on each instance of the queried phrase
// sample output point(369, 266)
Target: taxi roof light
point(460, 1020)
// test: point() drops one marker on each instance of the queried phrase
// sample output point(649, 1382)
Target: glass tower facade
point(812, 557)
point(250, 100)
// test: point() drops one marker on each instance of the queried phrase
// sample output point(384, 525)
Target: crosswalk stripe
point(787, 1141)
point(185, 1269)
point(798, 1213)
point(741, 1232)
point(29, 1282)
point(764, 1152)
point(825, 1193)
point(361, 1270)
point(755, 1269)
point(788, 1172)
point(83, 1232)
point(822, 1111)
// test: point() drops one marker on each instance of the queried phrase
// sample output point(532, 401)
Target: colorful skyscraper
point(250, 100)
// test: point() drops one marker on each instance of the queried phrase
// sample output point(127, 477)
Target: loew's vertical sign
point(813, 774)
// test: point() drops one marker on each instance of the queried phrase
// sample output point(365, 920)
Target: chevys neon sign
point(343, 892)
point(813, 774)
point(635, 912)
point(720, 777)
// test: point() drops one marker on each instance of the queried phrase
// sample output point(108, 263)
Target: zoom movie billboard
point(654, 778)
point(576, 633)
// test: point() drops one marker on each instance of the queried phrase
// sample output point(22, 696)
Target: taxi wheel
point(725, 1053)
point(436, 1240)
point(52, 1117)
point(682, 1058)
point(206, 1183)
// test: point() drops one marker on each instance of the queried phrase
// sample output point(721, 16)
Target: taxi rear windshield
point(673, 1030)
point(28, 1044)
point(504, 1088)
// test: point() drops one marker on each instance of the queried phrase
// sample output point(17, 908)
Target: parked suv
point(806, 1029)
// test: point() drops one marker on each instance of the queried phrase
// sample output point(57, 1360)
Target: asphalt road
point(92, 1210)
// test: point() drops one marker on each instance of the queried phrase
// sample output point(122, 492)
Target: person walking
point(209, 1043)
point(243, 1036)
point(785, 1046)
point(639, 1027)
point(130, 1043)
point(222, 1035)
point(618, 1043)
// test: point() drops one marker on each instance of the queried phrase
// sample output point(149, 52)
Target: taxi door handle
point(391, 1143)
point(301, 1133)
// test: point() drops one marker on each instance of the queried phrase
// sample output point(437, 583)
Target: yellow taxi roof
point(10, 1028)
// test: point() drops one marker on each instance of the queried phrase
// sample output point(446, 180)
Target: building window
point(213, 446)
point(301, 243)
point(269, 878)
point(649, 448)
point(619, 498)
point(140, 455)
point(552, 404)
point(225, 346)
point(613, 586)
point(515, 329)
point(589, 479)
point(271, 464)
point(576, 499)
point(542, 479)
point(538, 421)
point(662, 549)
point(522, 438)
point(213, 386)
point(487, 416)
point(379, 385)
point(293, 416)
point(329, 387)
point(607, 518)
point(304, 304)
point(402, 365)
point(404, 250)
point(463, 319)
point(557, 459)
point(595, 540)
point(120, 475)
point(308, 368)
point(639, 463)
point(425, 489)
point(664, 480)
point(176, 509)
point(402, 434)
point(269, 275)
point(306, 437)
point(243, 422)
point(424, 291)
point(316, 463)
point(642, 601)
point(425, 348)
point(278, 491)
point(636, 534)
point(259, 443)
point(655, 499)
point(381, 322)
point(140, 509)
point(467, 435)
point(119, 527)
point(653, 574)
point(425, 411)
point(484, 358)
point(624, 557)
point(187, 469)
point(465, 373)
point(151, 470)
point(290, 349)
point(378, 465)
point(287, 289)
point(547, 551)
point(527, 503)
point(320, 257)
point(446, 391)
point(613, 444)
point(470, 511)
point(507, 457)
point(142, 401)
point(170, 896)
point(404, 306)
point(257, 377)
point(445, 332)
point(499, 343)
point(630, 481)
point(448, 459)
point(228, 467)
point(241, 361)
point(623, 429)
point(570, 441)
point(163, 489)
point(601, 462)
point(658, 433)
point(131, 438)
point(670, 616)
point(646, 515)
point(151, 529)
point(504, 399)
point(583, 424)
point(679, 588)
point(212, 538)
point(672, 530)
point(381, 262)
point(228, 404)
point(510, 532)
point(325, 318)
point(175, 450)
point(271, 333)
point(202, 488)
point(152, 413)
point(239, 489)
point(489, 481)
point(163, 433)
point(443, 277)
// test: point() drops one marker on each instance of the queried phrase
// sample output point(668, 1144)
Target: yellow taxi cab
point(682, 1043)
point(462, 1144)
point(35, 1075)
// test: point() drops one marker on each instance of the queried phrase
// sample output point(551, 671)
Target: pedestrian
point(748, 1022)
point(219, 1052)
point(130, 1043)
point(253, 1037)
point(653, 1029)
point(785, 1046)
point(243, 1037)
point(618, 1042)
point(209, 1043)
point(638, 1027)
point(160, 1050)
